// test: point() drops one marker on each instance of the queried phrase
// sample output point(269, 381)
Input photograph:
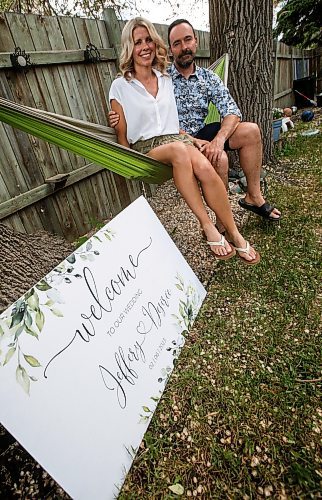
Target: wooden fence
point(290, 63)
point(61, 81)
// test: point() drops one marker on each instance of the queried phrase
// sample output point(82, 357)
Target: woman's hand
point(113, 118)
point(121, 127)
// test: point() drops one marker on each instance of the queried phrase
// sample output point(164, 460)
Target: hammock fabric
point(88, 140)
point(92, 141)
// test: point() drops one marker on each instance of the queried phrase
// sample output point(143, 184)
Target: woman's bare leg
point(216, 197)
point(222, 169)
point(176, 153)
point(188, 164)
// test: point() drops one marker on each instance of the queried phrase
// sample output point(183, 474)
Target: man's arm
point(229, 112)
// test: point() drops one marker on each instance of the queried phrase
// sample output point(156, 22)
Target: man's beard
point(185, 64)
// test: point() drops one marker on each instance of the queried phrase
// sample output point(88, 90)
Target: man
point(194, 89)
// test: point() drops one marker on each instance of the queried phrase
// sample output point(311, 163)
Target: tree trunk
point(244, 29)
point(25, 259)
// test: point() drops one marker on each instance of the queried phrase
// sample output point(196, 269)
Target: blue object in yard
point(307, 115)
point(277, 125)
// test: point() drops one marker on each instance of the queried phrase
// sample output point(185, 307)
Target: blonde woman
point(143, 97)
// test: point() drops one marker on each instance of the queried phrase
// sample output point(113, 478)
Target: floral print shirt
point(194, 94)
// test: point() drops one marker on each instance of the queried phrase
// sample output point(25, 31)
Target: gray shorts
point(148, 144)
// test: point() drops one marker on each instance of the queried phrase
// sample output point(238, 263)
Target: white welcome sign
point(86, 353)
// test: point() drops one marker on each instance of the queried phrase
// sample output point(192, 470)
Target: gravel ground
point(184, 228)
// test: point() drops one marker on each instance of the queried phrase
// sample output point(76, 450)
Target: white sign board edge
point(86, 353)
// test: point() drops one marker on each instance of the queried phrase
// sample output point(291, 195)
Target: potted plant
point(277, 123)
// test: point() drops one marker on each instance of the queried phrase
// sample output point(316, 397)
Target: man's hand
point(199, 143)
point(113, 118)
point(213, 150)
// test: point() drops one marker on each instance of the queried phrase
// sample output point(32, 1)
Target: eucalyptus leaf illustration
point(9, 355)
point(188, 305)
point(31, 360)
point(33, 301)
point(71, 259)
point(31, 332)
point(16, 318)
point(43, 286)
point(40, 320)
point(23, 378)
point(57, 312)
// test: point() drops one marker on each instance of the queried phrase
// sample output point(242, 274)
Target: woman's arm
point(121, 127)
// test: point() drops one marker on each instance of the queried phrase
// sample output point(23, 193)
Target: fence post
point(114, 30)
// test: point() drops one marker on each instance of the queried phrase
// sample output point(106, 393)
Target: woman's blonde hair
point(160, 62)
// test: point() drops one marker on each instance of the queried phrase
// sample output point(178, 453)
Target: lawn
point(242, 414)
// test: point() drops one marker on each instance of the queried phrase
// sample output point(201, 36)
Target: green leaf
point(23, 378)
point(146, 409)
point(9, 355)
point(16, 318)
point(179, 287)
point(29, 294)
point(43, 286)
point(40, 320)
point(177, 489)
point(19, 330)
point(97, 238)
point(31, 360)
point(33, 302)
point(71, 259)
point(57, 312)
point(31, 332)
point(28, 319)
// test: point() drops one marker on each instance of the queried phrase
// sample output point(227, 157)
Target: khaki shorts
point(146, 146)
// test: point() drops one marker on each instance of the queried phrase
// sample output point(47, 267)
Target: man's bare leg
point(247, 140)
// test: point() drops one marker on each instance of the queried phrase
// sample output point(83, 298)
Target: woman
point(144, 99)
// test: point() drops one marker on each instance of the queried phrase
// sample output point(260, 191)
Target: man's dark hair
point(175, 23)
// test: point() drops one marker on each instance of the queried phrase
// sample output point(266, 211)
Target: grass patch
point(242, 416)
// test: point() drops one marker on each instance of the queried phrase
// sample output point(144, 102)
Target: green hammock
point(92, 141)
point(85, 139)
point(220, 67)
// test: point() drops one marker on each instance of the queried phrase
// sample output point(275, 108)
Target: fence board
point(48, 159)
point(84, 76)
